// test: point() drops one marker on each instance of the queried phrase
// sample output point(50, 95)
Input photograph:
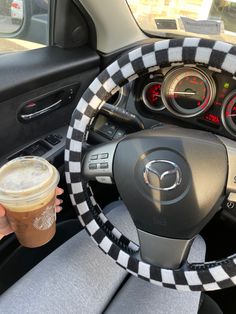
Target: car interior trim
point(112, 36)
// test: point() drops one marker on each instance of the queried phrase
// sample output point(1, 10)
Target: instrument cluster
point(191, 93)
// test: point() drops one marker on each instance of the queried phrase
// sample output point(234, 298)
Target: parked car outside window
point(17, 11)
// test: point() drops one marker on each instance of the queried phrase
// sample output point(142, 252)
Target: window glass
point(25, 19)
point(214, 19)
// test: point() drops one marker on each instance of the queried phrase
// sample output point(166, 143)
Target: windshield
point(214, 19)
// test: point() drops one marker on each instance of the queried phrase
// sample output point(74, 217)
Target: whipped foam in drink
point(21, 176)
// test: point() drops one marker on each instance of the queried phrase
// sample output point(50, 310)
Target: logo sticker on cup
point(46, 219)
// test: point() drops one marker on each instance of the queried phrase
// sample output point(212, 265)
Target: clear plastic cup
point(27, 191)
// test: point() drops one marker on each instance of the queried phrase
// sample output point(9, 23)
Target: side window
point(23, 25)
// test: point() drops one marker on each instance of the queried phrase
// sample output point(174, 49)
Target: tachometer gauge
point(228, 113)
point(188, 92)
point(151, 96)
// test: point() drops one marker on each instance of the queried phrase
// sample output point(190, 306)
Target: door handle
point(40, 106)
point(38, 113)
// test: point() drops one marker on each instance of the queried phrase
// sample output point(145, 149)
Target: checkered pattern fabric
point(107, 226)
point(217, 56)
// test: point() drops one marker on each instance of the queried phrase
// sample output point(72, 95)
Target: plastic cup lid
point(26, 177)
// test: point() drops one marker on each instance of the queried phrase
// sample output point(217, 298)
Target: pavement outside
point(10, 44)
point(13, 45)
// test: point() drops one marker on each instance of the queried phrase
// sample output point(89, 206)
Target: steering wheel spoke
point(231, 180)
point(98, 163)
point(162, 251)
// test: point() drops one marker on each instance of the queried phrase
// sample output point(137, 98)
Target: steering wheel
point(172, 180)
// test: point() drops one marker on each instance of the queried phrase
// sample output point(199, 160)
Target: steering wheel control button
point(93, 166)
point(105, 180)
point(162, 175)
point(104, 165)
point(94, 157)
point(103, 156)
point(98, 162)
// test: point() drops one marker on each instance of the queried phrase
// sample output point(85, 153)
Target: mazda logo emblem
point(151, 170)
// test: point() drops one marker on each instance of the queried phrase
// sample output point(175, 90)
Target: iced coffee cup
point(28, 192)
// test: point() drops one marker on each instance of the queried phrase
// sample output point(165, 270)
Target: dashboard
point(191, 96)
point(187, 96)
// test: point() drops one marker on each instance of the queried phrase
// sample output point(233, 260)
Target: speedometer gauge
point(229, 113)
point(188, 92)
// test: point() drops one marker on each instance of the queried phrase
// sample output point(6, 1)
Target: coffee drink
point(27, 191)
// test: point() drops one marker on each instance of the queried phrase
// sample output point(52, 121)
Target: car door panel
point(40, 74)
point(24, 71)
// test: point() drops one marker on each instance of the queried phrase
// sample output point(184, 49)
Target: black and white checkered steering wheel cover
point(217, 56)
